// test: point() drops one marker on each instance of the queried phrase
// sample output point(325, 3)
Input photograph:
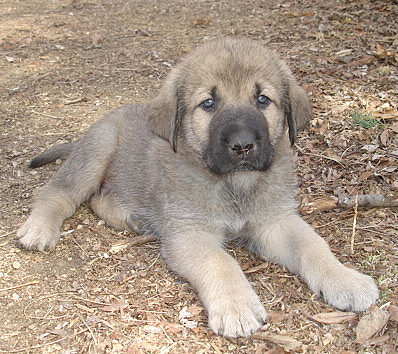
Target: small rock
point(16, 265)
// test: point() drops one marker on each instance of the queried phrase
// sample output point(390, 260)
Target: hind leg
point(104, 204)
point(78, 179)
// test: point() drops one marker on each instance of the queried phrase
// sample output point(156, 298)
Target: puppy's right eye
point(208, 105)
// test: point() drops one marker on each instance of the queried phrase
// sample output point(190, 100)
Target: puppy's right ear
point(167, 110)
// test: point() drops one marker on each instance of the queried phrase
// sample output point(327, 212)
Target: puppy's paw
point(350, 290)
point(236, 316)
point(37, 235)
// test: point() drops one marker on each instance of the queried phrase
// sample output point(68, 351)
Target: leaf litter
point(344, 54)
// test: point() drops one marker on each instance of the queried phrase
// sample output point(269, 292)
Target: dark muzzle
point(238, 141)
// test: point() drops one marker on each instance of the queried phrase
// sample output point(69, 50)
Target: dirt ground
point(65, 63)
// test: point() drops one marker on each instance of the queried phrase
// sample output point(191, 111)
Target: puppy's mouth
point(241, 166)
point(244, 166)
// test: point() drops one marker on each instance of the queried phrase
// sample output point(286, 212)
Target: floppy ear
point(167, 110)
point(297, 108)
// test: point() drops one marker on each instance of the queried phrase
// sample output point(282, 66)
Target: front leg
point(293, 243)
point(233, 307)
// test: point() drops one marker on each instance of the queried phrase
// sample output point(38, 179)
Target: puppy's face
point(234, 101)
point(235, 114)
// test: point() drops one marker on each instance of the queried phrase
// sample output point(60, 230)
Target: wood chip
point(286, 342)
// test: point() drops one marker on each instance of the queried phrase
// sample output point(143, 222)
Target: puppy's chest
point(238, 207)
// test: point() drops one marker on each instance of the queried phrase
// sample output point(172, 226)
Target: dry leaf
point(393, 311)
point(256, 268)
point(365, 175)
point(379, 340)
point(371, 323)
point(288, 343)
point(115, 307)
point(195, 310)
point(389, 114)
point(276, 316)
point(172, 328)
point(59, 332)
point(151, 329)
point(334, 317)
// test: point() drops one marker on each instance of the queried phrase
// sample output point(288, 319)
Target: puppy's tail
point(61, 151)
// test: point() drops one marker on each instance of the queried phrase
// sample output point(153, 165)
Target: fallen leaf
point(256, 268)
point(379, 340)
point(393, 311)
point(389, 114)
point(58, 332)
point(286, 342)
point(334, 317)
point(184, 318)
point(151, 329)
point(172, 328)
point(84, 308)
point(371, 323)
point(195, 310)
point(364, 176)
point(276, 316)
point(115, 307)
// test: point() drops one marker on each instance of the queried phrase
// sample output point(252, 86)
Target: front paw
point(350, 290)
point(37, 235)
point(238, 315)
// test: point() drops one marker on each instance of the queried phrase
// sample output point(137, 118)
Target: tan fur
point(143, 167)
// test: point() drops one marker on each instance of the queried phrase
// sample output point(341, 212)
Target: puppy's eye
point(263, 100)
point(208, 105)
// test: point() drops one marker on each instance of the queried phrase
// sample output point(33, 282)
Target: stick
point(20, 286)
point(335, 159)
point(363, 201)
point(42, 345)
point(140, 240)
point(369, 201)
point(354, 224)
point(8, 233)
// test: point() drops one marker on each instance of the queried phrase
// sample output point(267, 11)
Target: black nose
point(242, 142)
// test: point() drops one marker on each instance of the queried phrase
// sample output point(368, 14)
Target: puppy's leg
point(77, 179)
point(233, 307)
point(106, 207)
point(293, 243)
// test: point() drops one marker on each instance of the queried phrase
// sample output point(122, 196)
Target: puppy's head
point(230, 101)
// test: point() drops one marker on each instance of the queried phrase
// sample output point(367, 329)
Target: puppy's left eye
point(263, 100)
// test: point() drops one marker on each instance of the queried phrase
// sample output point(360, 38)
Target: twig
point(41, 345)
point(363, 201)
point(369, 201)
point(8, 233)
point(46, 115)
point(76, 100)
point(140, 240)
point(91, 301)
point(35, 282)
point(167, 349)
point(90, 330)
point(335, 159)
point(354, 224)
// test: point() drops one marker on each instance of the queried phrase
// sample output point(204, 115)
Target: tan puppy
point(208, 160)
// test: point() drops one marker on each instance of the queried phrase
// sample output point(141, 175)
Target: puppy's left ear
point(297, 109)
point(167, 110)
